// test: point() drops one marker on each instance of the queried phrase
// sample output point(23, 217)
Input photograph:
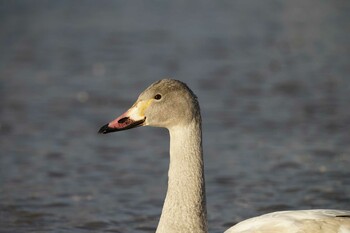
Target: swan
point(171, 104)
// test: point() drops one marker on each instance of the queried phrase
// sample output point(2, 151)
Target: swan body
point(171, 104)
point(297, 221)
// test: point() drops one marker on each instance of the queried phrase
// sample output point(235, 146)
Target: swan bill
point(132, 118)
point(124, 124)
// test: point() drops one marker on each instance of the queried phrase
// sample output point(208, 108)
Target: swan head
point(166, 103)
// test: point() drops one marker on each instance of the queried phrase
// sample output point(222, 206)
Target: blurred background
point(272, 78)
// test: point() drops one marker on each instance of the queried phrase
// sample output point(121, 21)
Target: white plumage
point(300, 221)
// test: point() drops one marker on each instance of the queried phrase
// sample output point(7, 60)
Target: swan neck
point(184, 208)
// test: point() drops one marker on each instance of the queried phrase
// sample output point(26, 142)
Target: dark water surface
point(272, 78)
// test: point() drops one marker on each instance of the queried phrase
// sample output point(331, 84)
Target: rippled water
point(272, 78)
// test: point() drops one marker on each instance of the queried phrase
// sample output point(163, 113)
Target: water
point(271, 77)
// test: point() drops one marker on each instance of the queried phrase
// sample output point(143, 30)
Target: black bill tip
point(106, 129)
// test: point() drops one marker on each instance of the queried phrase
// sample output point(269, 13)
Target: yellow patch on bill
point(143, 105)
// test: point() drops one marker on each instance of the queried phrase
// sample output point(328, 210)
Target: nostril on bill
point(123, 120)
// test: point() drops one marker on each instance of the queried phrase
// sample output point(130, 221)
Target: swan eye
point(158, 96)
